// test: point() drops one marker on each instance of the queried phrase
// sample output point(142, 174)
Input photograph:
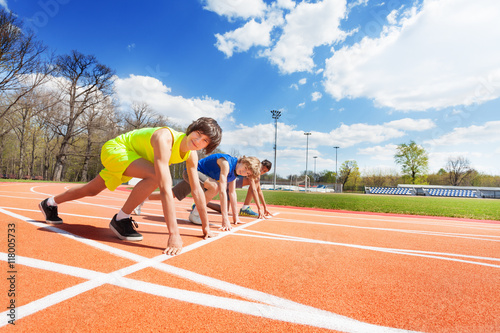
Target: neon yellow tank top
point(140, 141)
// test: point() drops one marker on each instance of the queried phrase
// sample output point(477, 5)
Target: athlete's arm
point(162, 142)
point(197, 192)
point(224, 171)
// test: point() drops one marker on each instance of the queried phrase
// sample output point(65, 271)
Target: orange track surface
point(300, 271)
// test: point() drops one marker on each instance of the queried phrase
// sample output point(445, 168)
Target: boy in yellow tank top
point(146, 154)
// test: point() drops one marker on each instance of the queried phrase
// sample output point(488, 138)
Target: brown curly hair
point(208, 127)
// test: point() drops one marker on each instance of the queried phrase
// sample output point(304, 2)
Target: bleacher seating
point(436, 191)
point(452, 193)
point(391, 190)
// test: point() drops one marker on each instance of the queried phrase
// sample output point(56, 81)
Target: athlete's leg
point(92, 188)
point(140, 169)
point(214, 206)
point(212, 188)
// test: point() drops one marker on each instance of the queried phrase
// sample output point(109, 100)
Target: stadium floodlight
point(307, 153)
point(275, 114)
point(336, 148)
point(315, 157)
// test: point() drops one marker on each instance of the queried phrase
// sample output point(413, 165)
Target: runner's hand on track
point(267, 214)
point(226, 226)
point(208, 234)
point(174, 245)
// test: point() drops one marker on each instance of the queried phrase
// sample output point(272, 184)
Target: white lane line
point(125, 254)
point(415, 219)
point(434, 255)
point(420, 232)
point(107, 219)
point(322, 319)
point(205, 280)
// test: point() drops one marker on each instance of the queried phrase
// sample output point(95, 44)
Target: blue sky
point(364, 75)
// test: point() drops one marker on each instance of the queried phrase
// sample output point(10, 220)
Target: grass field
point(482, 209)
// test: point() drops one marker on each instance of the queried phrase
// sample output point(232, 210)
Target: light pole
point(336, 148)
point(307, 153)
point(315, 157)
point(275, 114)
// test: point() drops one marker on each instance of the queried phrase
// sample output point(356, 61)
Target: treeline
point(56, 111)
point(413, 160)
point(379, 178)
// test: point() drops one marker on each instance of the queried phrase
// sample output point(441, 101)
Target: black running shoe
point(124, 229)
point(50, 213)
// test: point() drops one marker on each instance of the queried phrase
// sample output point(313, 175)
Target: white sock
point(121, 215)
point(51, 202)
point(245, 206)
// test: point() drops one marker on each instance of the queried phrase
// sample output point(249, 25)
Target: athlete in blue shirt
point(217, 174)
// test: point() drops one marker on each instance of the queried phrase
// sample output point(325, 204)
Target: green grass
point(481, 209)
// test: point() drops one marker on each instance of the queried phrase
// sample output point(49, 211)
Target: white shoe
point(195, 218)
point(137, 209)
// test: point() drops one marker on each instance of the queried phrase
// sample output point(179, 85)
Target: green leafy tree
point(349, 170)
point(326, 176)
point(413, 160)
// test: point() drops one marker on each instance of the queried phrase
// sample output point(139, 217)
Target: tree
point(348, 170)
point(458, 169)
point(413, 160)
point(326, 176)
point(439, 178)
point(22, 64)
point(142, 116)
point(85, 83)
point(97, 121)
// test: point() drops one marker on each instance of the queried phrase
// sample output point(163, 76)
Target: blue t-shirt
point(209, 166)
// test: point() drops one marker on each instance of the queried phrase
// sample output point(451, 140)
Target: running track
point(300, 271)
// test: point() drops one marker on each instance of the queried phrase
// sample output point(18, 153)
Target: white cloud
point(251, 136)
point(242, 39)
point(356, 3)
point(178, 109)
point(298, 29)
point(315, 96)
point(301, 82)
point(383, 153)
point(3, 3)
point(258, 141)
point(475, 134)
point(392, 17)
point(409, 124)
point(445, 55)
point(307, 26)
point(285, 4)
point(350, 135)
point(236, 8)
point(344, 135)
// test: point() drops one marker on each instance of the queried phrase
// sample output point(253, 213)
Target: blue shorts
point(239, 181)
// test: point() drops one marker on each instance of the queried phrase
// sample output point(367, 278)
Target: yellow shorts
point(116, 158)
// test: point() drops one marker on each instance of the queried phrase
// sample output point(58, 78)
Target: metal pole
point(275, 115)
point(307, 154)
point(315, 157)
point(336, 173)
